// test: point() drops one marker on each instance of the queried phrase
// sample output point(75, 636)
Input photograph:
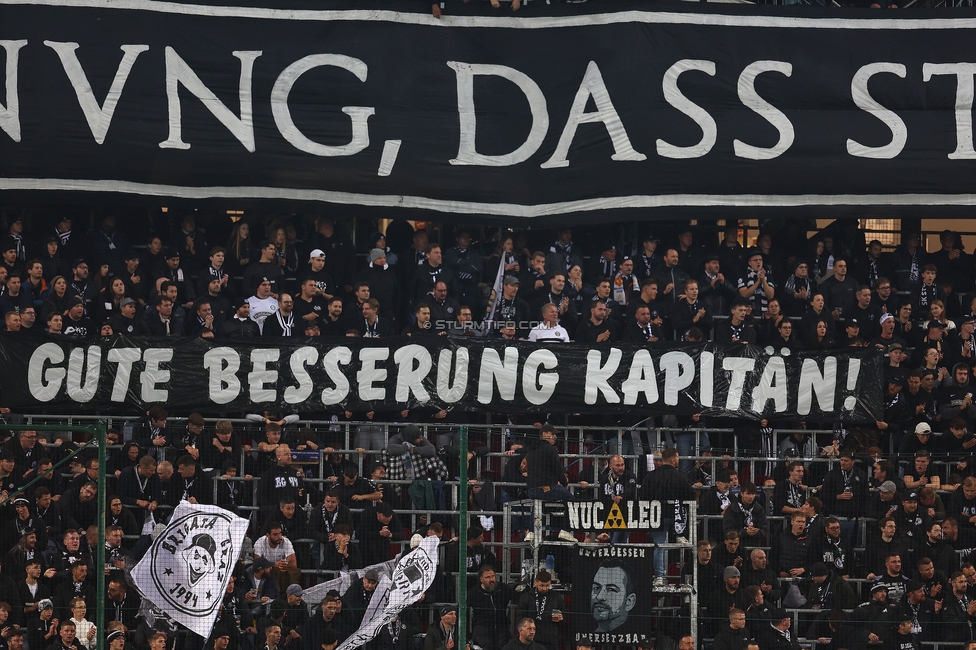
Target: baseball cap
point(936, 324)
point(888, 486)
point(886, 316)
point(511, 280)
point(294, 590)
point(44, 603)
point(318, 252)
point(21, 501)
point(172, 253)
point(895, 346)
point(914, 585)
point(911, 496)
point(126, 302)
point(923, 427)
point(372, 575)
point(262, 563)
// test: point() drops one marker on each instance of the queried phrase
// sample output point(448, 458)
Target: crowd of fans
point(774, 534)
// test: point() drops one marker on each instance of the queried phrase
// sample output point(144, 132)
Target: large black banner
point(371, 375)
point(530, 116)
point(612, 598)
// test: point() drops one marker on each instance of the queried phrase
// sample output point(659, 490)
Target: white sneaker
point(529, 536)
point(566, 536)
point(660, 581)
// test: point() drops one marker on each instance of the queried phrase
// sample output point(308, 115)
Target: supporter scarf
point(286, 324)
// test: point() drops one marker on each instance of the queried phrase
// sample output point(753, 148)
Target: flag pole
point(462, 583)
point(102, 433)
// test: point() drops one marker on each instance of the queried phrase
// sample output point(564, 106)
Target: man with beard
point(832, 549)
point(958, 611)
point(920, 611)
point(542, 605)
point(489, 603)
point(617, 483)
point(526, 637)
point(932, 546)
point(612, 598)
point(872, 618)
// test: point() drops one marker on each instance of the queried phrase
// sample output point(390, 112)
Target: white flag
point(186, 570)
point(412, 576)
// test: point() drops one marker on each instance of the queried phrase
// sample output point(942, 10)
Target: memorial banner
point(549, 115)
point(612, 598)
point(362, 375)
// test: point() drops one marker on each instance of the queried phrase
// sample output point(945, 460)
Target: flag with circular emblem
point(188, 567)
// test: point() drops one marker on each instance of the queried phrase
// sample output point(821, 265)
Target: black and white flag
point(187, 569)
point(412, 576)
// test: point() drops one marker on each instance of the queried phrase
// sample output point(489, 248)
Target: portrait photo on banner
point(611, 594)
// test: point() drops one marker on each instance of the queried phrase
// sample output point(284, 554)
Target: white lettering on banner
point(446, 362)
point(964, 103)
point(124, 358)
point(330, 362)
point(706, 390)
point(674, 96)
point(740, 367)
point(154, 375)
point(179, 72)
point(369, 375)
point(812, 382)
point(413, 365)
point(10, 109)
point(862, 97)
point(78, 390)
point(641, 379)
point(751, 100)
point(772, 386)
point(467, 152)
point(593, 86)
point(299, 360)
point(679, 373)
point(598, 376)
point(282, 113)
point(406, 375)
point(538, 386)
point(99, 117)
point(596, 515)
point(493, 370)
point(261, 376)
point(223, 364)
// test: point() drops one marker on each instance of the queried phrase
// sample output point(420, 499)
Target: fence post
point(462, 580)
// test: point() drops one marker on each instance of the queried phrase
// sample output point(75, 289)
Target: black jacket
point(529, 606)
